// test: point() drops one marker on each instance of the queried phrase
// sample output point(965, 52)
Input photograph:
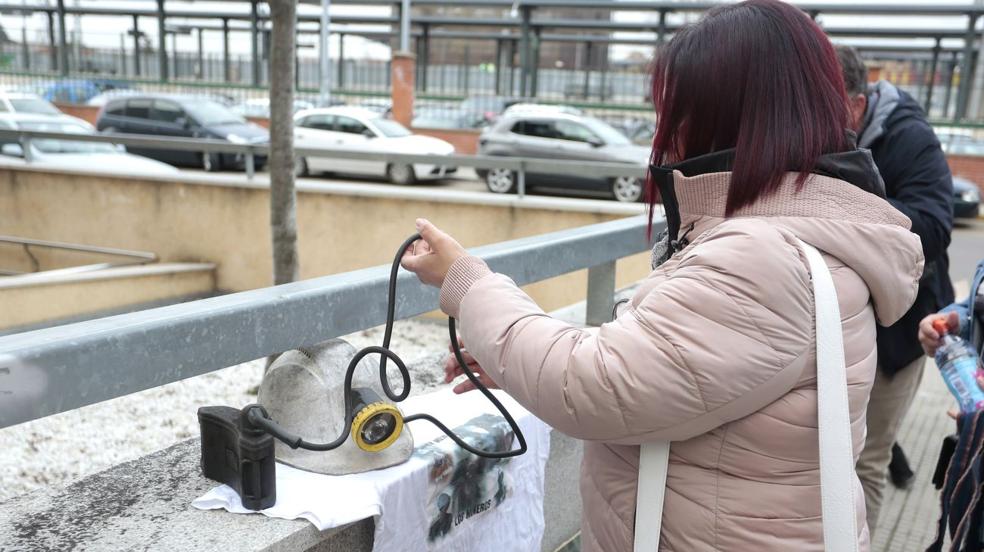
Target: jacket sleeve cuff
point(463, 273)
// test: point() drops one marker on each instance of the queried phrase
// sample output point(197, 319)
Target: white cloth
point(443, 498)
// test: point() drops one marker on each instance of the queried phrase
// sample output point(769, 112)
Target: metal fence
point(57, 369)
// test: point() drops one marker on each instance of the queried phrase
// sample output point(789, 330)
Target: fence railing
point(521, 165)
point(57, 369)
point(125, 257)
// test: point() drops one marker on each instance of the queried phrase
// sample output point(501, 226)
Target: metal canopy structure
point(523, 29)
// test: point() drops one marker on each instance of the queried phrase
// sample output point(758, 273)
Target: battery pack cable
point(258, 417)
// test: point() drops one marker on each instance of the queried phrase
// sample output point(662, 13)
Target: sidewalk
point(908, 518)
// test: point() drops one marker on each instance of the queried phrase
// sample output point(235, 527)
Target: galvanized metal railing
point(128, 257)
point(56, 369)
point(521, 165)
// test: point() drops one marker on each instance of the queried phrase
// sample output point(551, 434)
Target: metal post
point(226, 76)
point(405, 25)
point(324, 54)
point(661, 32)
point(136, 46)
point(52, 48)
point(340, 79)
point(201, 54)
point(467, 66)
point(535, 63)
point(932, 75)
point(601, 294)
point(161, 43)
point(250, 165)
point(26, 146)
point(587, 70)
point(498, 66)
point(524, 50)
point(603, 87)
point(513, 45)
point(174, 55)
point(424, 60)
point(521, 181)
point(123, 54)
point(62, 40)
point(966, 68)
point(949, 84)
point(25, 49)
point(254, 40)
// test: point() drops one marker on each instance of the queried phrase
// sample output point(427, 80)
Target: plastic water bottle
point(959, 365)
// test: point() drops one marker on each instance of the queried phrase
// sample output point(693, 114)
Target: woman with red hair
point(716, 350)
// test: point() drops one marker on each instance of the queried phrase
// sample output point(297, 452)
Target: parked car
point(73, 154)
point(966, 199)
point(561, 136)
point(527, 108)
point(957, 143)
point(483, 110)
point(359, 129)
point(26, 103)
point(187, 117)
point(79, 91)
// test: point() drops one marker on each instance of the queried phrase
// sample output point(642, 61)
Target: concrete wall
point(27, 303)
point(225, 220)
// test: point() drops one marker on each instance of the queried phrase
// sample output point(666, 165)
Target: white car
point(362, 130)
point(32, 104)
point(260, 107)
point(72, 154)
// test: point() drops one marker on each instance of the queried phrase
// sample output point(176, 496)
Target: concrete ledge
point(364, 189)
point(146, 505)
point(34, 298)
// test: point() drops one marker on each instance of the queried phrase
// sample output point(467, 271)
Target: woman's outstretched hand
point(452, 370)
point(431, 256)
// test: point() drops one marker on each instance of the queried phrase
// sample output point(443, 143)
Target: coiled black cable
point(258, 417)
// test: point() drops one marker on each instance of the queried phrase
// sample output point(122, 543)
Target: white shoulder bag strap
point(837, 473)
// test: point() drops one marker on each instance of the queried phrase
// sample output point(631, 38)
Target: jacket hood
point(886, 105)
point(847, 220)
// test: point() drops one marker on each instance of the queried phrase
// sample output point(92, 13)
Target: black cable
point(258, 417)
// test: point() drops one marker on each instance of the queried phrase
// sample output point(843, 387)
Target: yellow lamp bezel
point(365, 415)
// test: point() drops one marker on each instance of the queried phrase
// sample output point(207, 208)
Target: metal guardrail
point(53, 370)
point(522, 165)
point(133, 257)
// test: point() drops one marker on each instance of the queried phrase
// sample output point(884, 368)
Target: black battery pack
point(239, 455)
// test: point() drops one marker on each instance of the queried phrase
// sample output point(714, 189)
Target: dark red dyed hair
point(760, 77)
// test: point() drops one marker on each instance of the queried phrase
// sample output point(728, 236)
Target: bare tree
point(283, 197)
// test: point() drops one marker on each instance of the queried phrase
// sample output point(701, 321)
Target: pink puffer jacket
point(716, 353)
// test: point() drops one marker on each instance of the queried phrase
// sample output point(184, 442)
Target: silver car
point(553, 134)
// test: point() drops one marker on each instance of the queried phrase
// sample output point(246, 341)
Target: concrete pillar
point(661, 31)
point(402, 70)
point(201, 54)
point(524, 51)
point(948, 95)
point(340, 78)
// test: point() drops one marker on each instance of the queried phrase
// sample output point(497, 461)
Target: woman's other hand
point(929, 338)
point(431, 256)
point(452, 369)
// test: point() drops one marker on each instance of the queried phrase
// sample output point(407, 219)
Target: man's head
point(856, 82)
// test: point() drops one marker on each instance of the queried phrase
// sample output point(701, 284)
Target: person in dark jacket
point(893, 126)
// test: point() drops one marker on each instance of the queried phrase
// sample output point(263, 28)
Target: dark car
point(966, 199)
point(554, 134)
point(186, 117)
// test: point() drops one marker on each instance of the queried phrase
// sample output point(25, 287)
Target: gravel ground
point(62, 448)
